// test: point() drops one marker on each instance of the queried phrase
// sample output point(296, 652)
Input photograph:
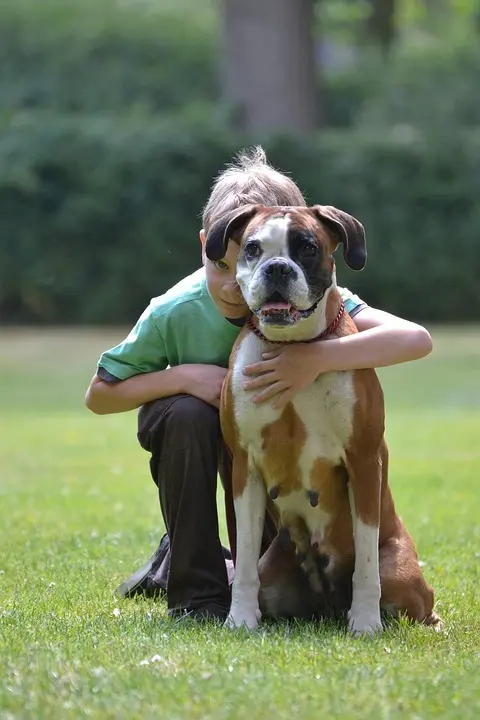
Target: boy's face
point(222, 284)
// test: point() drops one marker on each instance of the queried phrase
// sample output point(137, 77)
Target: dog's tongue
point(276, 305)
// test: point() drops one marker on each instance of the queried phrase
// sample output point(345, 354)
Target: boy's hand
point(286, 371)
point(205, 382)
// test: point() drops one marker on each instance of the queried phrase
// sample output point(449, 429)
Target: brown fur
point(282, 443)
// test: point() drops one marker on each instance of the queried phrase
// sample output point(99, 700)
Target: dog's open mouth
point(279, 311)
point(276, 305)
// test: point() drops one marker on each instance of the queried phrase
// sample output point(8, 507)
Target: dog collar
point(331, 328)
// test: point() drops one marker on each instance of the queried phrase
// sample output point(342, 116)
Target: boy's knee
point(190, 413)
point(174, 420)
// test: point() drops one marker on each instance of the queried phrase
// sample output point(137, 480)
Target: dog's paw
point(435, 622)
point(248, 618)
point(364, 621)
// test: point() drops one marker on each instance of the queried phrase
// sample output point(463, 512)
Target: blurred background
point(116, 115)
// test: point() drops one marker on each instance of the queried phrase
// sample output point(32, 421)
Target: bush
point(427, 86)
point(106, 56)
point(98, 215)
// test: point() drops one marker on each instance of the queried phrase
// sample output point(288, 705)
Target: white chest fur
point(326, 409)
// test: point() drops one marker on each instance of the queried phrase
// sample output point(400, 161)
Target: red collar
point(331, 328)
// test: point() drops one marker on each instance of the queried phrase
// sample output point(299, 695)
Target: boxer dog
point(322, 460)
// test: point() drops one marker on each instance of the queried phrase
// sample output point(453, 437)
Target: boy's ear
point(348, 230)
point(202, 241)
point(227, 228)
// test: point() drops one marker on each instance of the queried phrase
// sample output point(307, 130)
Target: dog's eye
point(252, 250)
point(308, 249)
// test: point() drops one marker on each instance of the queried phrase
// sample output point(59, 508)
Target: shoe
point(209, 613)
point(149, 580)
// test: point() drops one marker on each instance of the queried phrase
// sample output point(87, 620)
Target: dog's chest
point(323, 415)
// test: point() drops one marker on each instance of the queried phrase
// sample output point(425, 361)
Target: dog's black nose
point(278, 268)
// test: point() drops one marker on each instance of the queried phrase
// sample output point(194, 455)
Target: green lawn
point(79, 512)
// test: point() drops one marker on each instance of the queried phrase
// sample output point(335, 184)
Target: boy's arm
point(104, 397)
point(136, 371)
point(202, 381)
point(383, 340)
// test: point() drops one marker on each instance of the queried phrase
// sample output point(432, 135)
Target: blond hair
point(250, 179)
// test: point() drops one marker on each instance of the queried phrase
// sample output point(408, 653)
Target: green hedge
point(429, 85)
point(106, 55)
point(98, 215)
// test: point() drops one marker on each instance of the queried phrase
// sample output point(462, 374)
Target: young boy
point(172, 365)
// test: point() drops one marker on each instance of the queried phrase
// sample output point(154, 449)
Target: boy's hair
point(250, 179)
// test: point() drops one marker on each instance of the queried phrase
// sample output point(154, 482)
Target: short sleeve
point(142, 351)
point(106, 376)
point(353, 304)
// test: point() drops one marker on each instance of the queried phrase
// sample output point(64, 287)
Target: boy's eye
point(221, 265)
point(252, 250)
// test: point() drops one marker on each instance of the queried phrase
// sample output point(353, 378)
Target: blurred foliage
point(105, 55)
point(423, 86)
point(438, 96)
point(97, 216)
point(112, 130)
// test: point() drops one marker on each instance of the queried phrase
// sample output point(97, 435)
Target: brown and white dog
point(322, 459)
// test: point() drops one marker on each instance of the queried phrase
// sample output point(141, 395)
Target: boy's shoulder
point(192, 288)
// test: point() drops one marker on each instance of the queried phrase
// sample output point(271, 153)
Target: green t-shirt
point(182, 326)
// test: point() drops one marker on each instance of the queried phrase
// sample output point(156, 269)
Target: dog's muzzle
point(278, 275)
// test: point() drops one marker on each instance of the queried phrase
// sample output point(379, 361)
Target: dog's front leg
point(364, 493)
point(250, 503)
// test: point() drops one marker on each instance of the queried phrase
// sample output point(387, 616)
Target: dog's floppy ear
point(224, 229)
point(349, 231)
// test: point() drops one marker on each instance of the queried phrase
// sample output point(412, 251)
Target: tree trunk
point(381, 23)
point(268, 70)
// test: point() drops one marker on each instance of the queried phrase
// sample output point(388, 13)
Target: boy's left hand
point(284, 372)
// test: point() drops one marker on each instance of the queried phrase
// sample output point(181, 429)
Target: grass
point(79, 512)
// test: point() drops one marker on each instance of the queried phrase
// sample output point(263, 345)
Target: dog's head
point(285, 264)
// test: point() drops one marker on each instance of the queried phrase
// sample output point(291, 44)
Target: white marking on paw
point(364, 621)
point(364, 614)
point(246, 617)
point(250, 515)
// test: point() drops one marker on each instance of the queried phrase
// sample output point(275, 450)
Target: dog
point(322, 461)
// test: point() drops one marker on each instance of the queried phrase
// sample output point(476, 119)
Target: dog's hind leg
point(404, 589)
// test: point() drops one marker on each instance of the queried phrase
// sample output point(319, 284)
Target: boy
point(172, 366)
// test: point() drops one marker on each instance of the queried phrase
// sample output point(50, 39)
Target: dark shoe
point(151, 579)
point(209, 613)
